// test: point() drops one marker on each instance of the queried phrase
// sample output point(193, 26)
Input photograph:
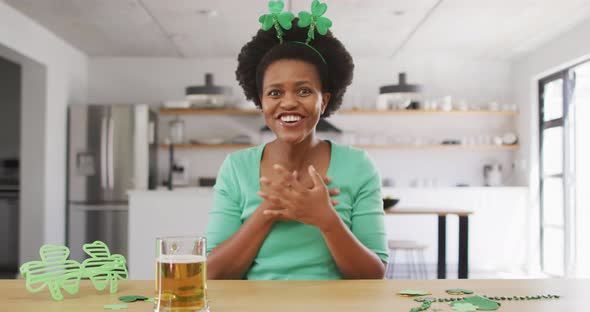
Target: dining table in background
point(442, 212)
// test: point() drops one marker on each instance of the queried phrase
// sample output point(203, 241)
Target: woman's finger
point(334, 191)
point(335, 202)
point(318, 181)
point(327, 180)
point(288, 180)
point(273, 212)
point(273, 199)
point(269, 184)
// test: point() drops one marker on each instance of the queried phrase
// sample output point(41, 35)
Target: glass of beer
point(181, 274)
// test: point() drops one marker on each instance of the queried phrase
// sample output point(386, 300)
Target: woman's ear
point(325, 100)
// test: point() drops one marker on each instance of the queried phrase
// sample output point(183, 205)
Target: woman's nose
point(289, 101)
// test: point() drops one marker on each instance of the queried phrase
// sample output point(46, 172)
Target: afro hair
point(264, 49)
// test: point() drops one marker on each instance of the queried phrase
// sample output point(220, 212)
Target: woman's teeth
point(290, 118)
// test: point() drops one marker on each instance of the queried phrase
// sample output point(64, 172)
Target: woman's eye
point(274, 93)
point(304, 91)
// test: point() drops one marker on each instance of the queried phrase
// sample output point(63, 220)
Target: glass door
point(581, 116)
point(553, 115)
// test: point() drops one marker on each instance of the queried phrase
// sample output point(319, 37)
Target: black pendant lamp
point(208, 95)
point(401, 87)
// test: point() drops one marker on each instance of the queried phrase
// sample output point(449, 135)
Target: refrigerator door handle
point(111, 173)
point(103, 153)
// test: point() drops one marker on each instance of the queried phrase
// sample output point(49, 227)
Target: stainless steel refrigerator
point(111, 149)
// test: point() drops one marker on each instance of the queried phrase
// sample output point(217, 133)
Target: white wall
point(54, 76)
point(478, 81)
point(10, 80)
point(567, 50)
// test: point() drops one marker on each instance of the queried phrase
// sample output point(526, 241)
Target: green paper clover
point(53, 271)
point(280, 20)
point(102, 267)
point(315, 20)
point(459, 291)
point(412, 292)
point(463, 307)
point(482, 303)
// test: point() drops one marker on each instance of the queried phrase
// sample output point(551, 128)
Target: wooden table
point(442, 235)
point(310, 296)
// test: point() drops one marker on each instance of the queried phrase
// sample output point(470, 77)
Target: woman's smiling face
point(292, 99)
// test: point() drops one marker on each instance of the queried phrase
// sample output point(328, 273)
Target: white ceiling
point(498, 29)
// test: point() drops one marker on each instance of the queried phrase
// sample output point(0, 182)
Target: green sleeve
point(225, 217)
point(367, 214)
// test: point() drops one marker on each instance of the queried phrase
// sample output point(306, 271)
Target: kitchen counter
point(325, 296)
point(499, 219)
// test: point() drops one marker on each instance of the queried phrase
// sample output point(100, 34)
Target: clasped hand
point(292, 201)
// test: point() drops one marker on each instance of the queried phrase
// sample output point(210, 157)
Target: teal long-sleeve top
point(292, 250)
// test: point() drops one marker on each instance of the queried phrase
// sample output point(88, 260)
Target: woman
point(273, 216)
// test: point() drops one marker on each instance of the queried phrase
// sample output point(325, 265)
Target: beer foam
point(181, 259)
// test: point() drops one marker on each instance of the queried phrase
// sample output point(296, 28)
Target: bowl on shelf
point(389, 202)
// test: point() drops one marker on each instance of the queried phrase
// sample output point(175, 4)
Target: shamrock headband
point(283, 20)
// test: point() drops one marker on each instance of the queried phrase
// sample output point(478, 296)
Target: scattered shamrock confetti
point(133, 298)
point(412, 293)
point(463, 307)
point(482, 303)
point(115, 306)
point(459, 291)
point(423, 307)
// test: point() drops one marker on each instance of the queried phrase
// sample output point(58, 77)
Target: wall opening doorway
point(10, 125)
point(564, 100)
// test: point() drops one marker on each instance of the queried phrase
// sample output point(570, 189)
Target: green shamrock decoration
point(463, 307)
point(412, 292)
point(102, 267)
point(280, 20)
point(482, 303)
point(459, 291)
point(53, 271)
point(315, 20)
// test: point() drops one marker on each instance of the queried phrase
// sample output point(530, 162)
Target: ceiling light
point(207, 12)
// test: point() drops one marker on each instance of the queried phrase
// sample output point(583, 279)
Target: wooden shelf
point(200, 111)
point(207, 146)
point(440, 147)
point(425, 112)
point(387, 146)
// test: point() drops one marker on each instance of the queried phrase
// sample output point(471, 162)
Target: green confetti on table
point(482, 303)
point(459, 291)
point(463, 307)
point(115, 306)
point(412, 292)
point(133, 298)
point(150, 300)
